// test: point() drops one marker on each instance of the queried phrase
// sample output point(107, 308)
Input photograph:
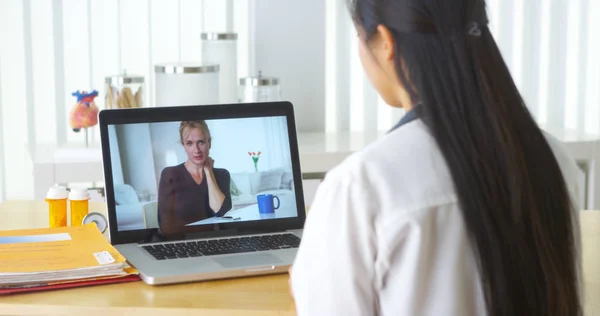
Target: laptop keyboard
point(213, 247)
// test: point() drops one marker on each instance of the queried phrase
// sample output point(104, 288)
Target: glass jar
point(259, 89)
point(124, 91)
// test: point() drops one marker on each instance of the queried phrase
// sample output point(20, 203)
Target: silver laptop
point(203, 192)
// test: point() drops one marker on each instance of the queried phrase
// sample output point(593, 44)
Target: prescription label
point(104, 257)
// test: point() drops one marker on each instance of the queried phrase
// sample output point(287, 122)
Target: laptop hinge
point(214, 234)
point(260, 231)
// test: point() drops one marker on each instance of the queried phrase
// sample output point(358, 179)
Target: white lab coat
point(385, 235)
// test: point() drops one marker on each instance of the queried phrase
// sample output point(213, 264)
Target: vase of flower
point(255, 157)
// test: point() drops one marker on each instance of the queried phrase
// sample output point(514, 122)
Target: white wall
point(115, 156)
point(135, 147)
point(278, 145)
point(289, 43)
point(233, 139)
point(166, 149)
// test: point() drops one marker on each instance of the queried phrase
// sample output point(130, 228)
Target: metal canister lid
point(185, 68)
point(124, 78)
point(259, 81)
point(218, 36)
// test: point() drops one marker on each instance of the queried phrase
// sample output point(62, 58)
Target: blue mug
point(266, 204)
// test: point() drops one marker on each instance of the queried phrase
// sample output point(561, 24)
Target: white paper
point(104, 257)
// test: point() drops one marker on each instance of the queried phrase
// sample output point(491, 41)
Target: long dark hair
point(511, 191)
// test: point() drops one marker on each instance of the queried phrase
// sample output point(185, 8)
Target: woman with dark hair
point(466, 207)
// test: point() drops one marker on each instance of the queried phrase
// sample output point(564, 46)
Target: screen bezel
point(206, 112)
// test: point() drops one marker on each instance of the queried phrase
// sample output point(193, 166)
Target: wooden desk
point(266, 295)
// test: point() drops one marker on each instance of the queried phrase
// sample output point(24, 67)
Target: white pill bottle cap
point(57, 193)
point(79, 194)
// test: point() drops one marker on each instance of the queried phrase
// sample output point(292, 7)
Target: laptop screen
point(183, 176)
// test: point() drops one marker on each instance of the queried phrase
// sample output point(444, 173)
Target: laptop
point(203, 192)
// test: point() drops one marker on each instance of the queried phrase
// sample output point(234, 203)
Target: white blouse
point(385, 235)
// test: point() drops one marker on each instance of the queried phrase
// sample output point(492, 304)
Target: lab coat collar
point(410, 116)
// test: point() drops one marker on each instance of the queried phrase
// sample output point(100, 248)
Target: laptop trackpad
point(248, 260)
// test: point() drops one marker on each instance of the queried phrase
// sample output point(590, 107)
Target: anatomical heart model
point(85, 112)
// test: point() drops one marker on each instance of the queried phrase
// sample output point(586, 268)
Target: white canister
point(221, 49)
point(186, 84)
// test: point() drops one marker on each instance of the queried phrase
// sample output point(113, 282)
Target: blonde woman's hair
point(201, 124)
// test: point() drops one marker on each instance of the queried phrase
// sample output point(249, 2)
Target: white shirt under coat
point(385, 235)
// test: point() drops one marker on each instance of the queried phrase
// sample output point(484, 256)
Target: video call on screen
point(177, 176)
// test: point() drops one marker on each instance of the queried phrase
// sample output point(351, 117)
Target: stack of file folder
point(39, 259)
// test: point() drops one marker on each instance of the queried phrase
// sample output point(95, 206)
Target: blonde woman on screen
point(194, 190)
